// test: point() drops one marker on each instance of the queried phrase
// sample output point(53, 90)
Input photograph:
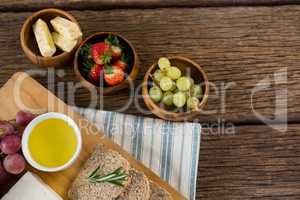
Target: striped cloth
point(169, 149)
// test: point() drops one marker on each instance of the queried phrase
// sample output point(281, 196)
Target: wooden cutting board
point(21, 92)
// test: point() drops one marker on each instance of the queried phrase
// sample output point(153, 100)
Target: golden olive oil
point(52, 142)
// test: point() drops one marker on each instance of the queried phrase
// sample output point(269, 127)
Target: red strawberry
point(113, 75)
point(101, 53)
point(95, 73)
point(116, 52)
point(120, 64)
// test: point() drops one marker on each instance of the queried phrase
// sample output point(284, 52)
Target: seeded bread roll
point(109, 161)
point(139, 188)
point(158, 193)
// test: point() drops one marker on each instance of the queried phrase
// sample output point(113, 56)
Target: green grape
point(157, 75)
point(168, 98)
point(164, 64)
point(179, 99)
point(155, 94)
point(166, 83)
point(197, 91)
point(183, 83)
point(173, 88)
point(192, 103)
point(174, 73)
point(191, 80)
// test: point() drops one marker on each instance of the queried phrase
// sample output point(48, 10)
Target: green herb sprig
point(84, 51)
point(116, 177)
point(113, 40)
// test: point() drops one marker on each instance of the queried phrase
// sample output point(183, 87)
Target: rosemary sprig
point(116, 177)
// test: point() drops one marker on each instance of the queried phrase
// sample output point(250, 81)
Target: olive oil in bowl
point(51, 142)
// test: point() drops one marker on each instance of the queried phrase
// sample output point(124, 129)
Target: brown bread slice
point(139, 188)
point(108, 160)
point(158, 193)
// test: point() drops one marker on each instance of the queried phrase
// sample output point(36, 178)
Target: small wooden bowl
point(132, 72)
point(185, 65)
point(29, 44)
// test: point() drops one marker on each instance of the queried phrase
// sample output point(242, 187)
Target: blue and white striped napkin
point(169, 149)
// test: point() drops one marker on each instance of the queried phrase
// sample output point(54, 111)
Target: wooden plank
point(240, 47)
point(28, 5)
point(21, 92)
point(256, 162)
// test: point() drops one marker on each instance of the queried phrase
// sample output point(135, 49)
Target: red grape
point(14, 164)
point(10, 144)
point(23, 118)
point(4, 176)
point(6, 128)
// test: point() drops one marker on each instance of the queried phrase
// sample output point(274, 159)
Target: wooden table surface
point(250, 50)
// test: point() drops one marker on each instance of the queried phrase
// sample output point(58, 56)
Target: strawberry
point(120, 64)
point(95, 73)
point(116, 52)
point(101, 53)
point(113, 75)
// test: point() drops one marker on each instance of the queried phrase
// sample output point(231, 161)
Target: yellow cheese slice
point(43, 38)
point(63, 43)
point(66, 28)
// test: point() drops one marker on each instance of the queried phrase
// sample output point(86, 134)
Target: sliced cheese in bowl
point(63, 43)
point(66, 28)
point(31, 187)
point(43, 38)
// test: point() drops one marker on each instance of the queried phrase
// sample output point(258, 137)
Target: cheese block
point(66, 28)
point(31, 187)
point(43, 38)
point(63, 43)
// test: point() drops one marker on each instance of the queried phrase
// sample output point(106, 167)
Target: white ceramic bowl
point(28, 130)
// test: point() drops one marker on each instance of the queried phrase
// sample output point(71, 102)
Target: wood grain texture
point(241, 46)
point(29, 5)
point(256, 162)
point(22, 92)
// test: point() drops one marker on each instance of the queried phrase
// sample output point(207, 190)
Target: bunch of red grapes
point(11, 160)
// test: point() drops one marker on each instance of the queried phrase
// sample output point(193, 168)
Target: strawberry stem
point(85, 56)
point(108, 69)
point(106, 57)
point(112, 40)
point(84, 51)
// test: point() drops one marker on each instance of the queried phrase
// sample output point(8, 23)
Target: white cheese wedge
point(66, 28)
point(31, 187)
point(63, 43)
point(43, 38)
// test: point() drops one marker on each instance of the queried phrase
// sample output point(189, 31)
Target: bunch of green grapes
point(172, 88)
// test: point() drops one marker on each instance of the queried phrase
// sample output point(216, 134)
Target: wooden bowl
point(132, 70)
point(29, 44)
point(186, 66)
